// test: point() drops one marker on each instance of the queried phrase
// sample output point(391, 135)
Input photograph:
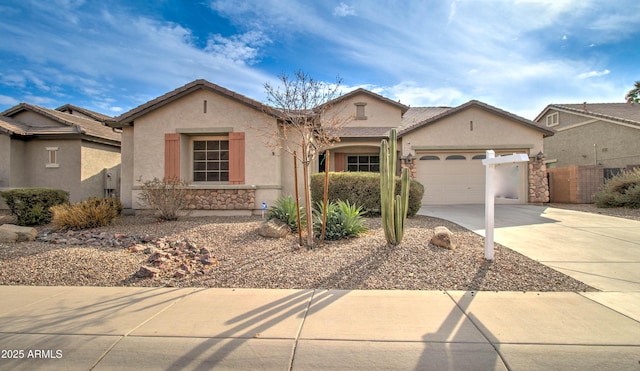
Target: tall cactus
point(393, 207)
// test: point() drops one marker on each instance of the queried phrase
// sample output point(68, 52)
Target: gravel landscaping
point(228, 252)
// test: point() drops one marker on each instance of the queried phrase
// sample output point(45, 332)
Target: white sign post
point(490, 162)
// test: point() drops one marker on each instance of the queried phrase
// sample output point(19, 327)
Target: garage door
point(451, 178)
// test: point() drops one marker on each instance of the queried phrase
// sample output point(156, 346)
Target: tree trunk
point(307, 197)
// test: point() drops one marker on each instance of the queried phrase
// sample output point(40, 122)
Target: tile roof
point(416, 115)
point(11, 126)
point(70, 124)
point(363, 132)
point(474, 103)
point(624, 112)
point(69, 108)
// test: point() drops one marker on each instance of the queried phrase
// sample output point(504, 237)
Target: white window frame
point(553, 119)
point(52, 157)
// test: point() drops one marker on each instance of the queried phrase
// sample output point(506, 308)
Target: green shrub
point(344, 220)
point(91, 213)
point(285, 210)
point(631, 197)
point(623, 190)
point(168, 197)
point(31, 205)
point(360, 188)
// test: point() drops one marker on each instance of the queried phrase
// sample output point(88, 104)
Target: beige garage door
point(451, 178)
point(458, 178)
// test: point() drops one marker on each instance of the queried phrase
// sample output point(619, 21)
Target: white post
point(489, 201)
point(490, 162)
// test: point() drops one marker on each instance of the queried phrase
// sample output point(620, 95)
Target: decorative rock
point(274, 228)
point(443, 238)
point(147, 272)
point(8, 236)
point(7, 219)
point(16, 233)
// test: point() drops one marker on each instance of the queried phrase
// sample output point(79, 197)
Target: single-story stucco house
point(42, 147)
point(213, 138)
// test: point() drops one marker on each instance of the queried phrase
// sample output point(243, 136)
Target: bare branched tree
point(309, 123)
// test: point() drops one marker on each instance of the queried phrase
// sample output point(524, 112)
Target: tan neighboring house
point(213, 138)
point(69, 150)
point(605, 134)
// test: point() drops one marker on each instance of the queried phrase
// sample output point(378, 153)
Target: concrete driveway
point(601, 251)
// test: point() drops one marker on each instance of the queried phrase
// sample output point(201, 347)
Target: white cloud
point(412, 94)
point(40, 100)
point(343, 10)
point(9, 101)
point(13, 79)
point(242, 49)
point(590, 74)
point(452, 12)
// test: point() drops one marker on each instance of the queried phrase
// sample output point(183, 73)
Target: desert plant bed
point(228, 252)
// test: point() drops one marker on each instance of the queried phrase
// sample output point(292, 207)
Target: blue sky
point(519, 55)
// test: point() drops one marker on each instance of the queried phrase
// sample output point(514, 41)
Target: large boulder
point(443, 238)
point(274, 228)
point(16, 233)
point(7, 219)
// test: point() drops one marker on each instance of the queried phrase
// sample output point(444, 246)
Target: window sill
point(52, 166)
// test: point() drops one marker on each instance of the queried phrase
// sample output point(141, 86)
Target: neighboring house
point(71, 150)
point(605, 134)
point(214, 139)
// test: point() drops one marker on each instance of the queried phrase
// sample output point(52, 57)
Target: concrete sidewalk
point(599, 250)
point(83, 328)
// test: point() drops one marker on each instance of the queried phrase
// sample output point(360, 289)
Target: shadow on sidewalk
point(256, 321)
point(457, 353)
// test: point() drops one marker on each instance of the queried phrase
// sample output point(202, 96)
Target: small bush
point(285, 210)
point(344, 220)
point(91, 213)
point(622, 190)
point(168, 197)
point(361, 188)
point(31, 205)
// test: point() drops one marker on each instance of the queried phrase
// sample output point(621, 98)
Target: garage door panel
point(455, 181)
point(451, 181)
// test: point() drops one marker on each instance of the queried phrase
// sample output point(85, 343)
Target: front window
point(363, 163)
point(211, 160)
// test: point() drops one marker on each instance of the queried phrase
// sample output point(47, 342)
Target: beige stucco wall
point(378, 113)
point(95, 158)
point(36, 119)
point(5, 160)
point(489, 132)
point(66, 176)
point(603, 143)
point(19, 164)
point(262, 163)
point(126, 168)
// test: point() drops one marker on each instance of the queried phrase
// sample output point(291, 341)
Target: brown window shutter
point(172, 156)
point(236, 158)
point(338, 159)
